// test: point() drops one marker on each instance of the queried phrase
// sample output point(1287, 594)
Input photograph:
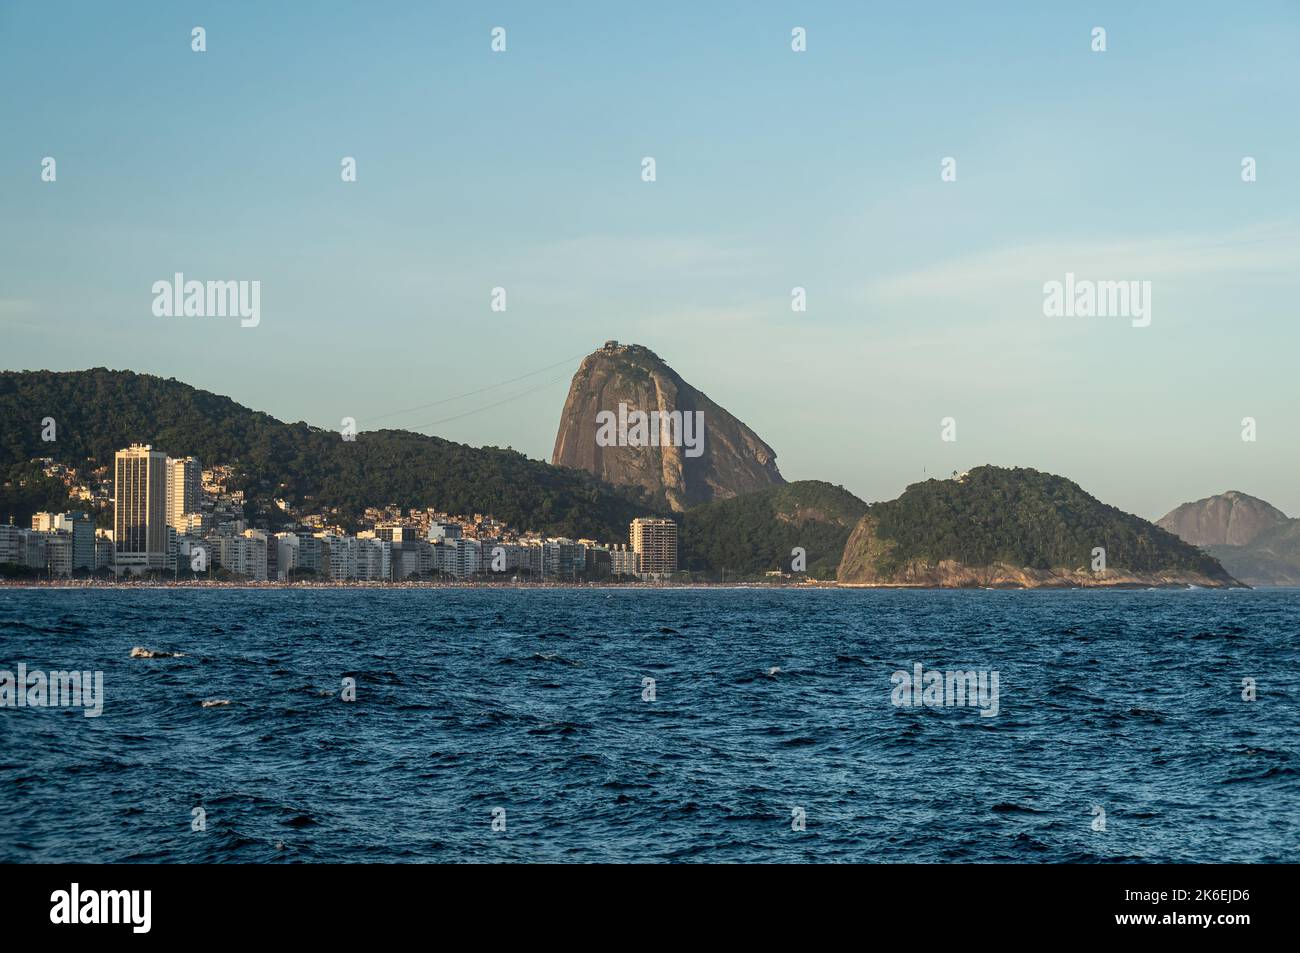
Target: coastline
point(1128, 586)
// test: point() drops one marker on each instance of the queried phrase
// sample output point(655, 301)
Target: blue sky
point(775, 169)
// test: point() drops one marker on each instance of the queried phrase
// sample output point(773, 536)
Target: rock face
point(1254, 540)
point(1229, 519)
point(693, 451)
point(1270, 559)
point(1016, 529)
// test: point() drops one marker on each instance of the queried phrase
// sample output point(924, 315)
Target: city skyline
point(924, 296)
point(165, 510)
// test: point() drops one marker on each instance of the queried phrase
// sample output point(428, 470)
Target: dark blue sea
point(525, 707)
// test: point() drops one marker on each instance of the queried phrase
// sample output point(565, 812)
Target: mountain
point(99, 411)
point(1229, 519)
point(598, 432)
point(1272, 558)
point(748, 535)
point(1014, 527)
point(1254, 540)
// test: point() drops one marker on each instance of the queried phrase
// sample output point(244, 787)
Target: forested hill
point(1015, 526)
point(100, 411)
point(757, 532)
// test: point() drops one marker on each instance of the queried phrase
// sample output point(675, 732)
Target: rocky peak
point(1228, 519)
point(631, 420)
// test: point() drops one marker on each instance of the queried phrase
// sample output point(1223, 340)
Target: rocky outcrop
point(686, 449)
point(1001, 528)
point(1255, 541)
point(1272, 558)
point(1229, 519)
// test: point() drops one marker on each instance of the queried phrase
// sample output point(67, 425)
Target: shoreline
point(624, 586)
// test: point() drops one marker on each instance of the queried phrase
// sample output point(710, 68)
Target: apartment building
point(184, 490)
point(655, 543)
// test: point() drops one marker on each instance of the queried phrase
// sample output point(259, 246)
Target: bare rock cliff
point(1229, 519)
point(726, 459)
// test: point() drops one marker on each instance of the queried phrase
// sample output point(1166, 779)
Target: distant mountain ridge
point(1228, 519)
point(615, 378)
point(1254, 540)
point(1015, 527)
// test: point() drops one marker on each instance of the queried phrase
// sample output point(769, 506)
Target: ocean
point(648, 725)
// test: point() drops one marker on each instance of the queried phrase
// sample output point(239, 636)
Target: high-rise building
point(598, 562)
point(622, 561)
point(655, 543)
point(103, 550)
point(464, 557)
point(140, 509)
point(58, 553)
point(32, 546)
point(375, 560)
point(559, 558)
point(338, 560)
point(184, 490)
point(9, 544)
point(410, 558)
point(244, 555)
point(82, 529)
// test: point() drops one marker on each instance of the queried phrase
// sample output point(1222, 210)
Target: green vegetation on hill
point(25, 490)
point(101, 411)
point(98, 412)
point(753, 533)
point(1024, 518)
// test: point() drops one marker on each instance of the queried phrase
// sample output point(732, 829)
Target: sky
point(775, 169)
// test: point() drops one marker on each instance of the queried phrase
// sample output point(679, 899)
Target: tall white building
point(560, 559)
point(243, 555)
point(58, 553)
point(140, 509)
point(374, 559)
point(466, 557)
point(623, 561)
point(288, 552)
point(655, 543)
point(338, 557)
point(184, 490)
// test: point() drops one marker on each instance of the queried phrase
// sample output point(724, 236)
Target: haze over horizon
point(774, 170)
